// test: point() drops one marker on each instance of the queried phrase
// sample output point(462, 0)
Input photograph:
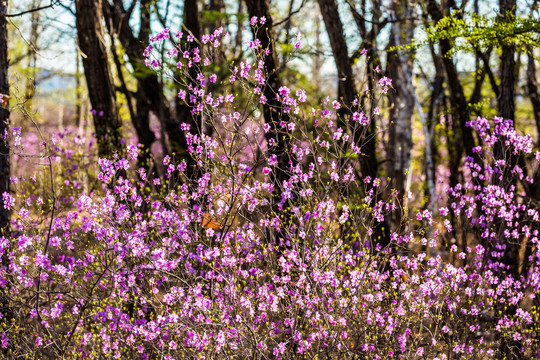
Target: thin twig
point(51, 5)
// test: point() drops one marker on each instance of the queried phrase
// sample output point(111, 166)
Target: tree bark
point(457, 94)
point(509, 348)
point(401, 99)
point(78, 91)
point(506, 107)
point(363, 137)
point(101, 90)
point(506, 100)
point(134, 47)
point(272, 115)
point(4, 119)
point(5, 214)
point(30, 87)
point(192, 26)
point(346, 85)
point(334, 28)
point(532, 88)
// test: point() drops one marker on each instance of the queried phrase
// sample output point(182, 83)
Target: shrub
point(239, 262)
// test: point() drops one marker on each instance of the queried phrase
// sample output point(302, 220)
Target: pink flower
point(9, 201)
point(301, 94)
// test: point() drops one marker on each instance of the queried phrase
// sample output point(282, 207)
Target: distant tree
point(35, 31)
point(401, 97)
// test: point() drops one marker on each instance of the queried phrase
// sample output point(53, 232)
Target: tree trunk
point(464, 139)
point(78, 91)
point(317, 57)
point(141, 120)
point(192, 26)
point(4, 121)
point(401, 100)
point(101, 89)
point(346, 86)
point(506, 107)
point(5, 214)
point(506, 99)
point(334, 28)
point(260, 8)
point(140, 117)
point(30, 87)
point(532, 87)
point(239, 42)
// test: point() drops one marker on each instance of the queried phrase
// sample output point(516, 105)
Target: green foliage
point(470, 32)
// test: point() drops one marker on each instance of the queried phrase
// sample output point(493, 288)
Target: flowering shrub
point(242, 263)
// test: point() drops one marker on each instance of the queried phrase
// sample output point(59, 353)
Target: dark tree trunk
point(101, 90)
point(141, 120)
point(346, 85)
point(460, 137)
point(457, 95)
point(506, 107)
point(5, 214)
point(506, 99)
point(272, 115)
point(532, 87)
point(4, 120)
point(192, 26)
point(149, 95)
point(134, 47)
point(364, 137)
point(334, 28)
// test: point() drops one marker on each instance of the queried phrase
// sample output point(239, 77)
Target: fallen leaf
point(210, 223)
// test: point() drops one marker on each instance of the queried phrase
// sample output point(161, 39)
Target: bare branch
point(51, 5)
point(291, 13)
